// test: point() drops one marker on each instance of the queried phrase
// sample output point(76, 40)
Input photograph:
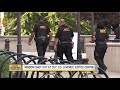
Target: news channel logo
point(15, 67)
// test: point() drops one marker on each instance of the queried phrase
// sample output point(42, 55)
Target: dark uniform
point(117, 32)
point(101, 46)
point(65, 35)
point(41, 37)
point(59, 51)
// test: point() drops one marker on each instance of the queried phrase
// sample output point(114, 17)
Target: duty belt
point(101, 42)
point(65, 42)
point(42, 37)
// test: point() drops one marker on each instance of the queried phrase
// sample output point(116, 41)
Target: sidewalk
point(113, 74)
point(49, 54)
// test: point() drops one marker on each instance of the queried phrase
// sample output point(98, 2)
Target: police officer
point(59, 51)
point(42, 36)
point(64, 36)
point(100, 36)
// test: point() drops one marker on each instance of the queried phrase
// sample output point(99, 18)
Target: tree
point(28, 19)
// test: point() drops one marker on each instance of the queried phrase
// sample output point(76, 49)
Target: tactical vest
point(41, 33)
point(101, 35)
point(65, 35)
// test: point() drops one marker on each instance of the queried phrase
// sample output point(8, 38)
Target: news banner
point(23, 67)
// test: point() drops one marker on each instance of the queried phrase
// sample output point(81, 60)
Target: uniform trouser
point(99, 54)
point(59, 51)
point(41, 48)
point(65, 48)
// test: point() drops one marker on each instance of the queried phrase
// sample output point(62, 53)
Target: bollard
point(7, 45)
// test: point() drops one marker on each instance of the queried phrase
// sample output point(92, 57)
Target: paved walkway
point(49, 54)
point(113, 74)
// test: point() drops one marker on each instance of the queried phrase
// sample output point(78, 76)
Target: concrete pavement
point(49, 54)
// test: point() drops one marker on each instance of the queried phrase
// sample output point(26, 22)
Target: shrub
point(5, 69)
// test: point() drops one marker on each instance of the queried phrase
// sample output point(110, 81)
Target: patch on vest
point(102, 31)
point(66, 29)
point(42, 27)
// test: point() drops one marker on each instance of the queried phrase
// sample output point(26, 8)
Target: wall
point(24, 42)
point(112, 56)
point(13, 43)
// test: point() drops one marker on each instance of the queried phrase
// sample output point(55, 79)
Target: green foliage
point(70, 19)
point(11, 23)
point(5, 69)
point(86, 27)
point(28, 19)
point(52, 20)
